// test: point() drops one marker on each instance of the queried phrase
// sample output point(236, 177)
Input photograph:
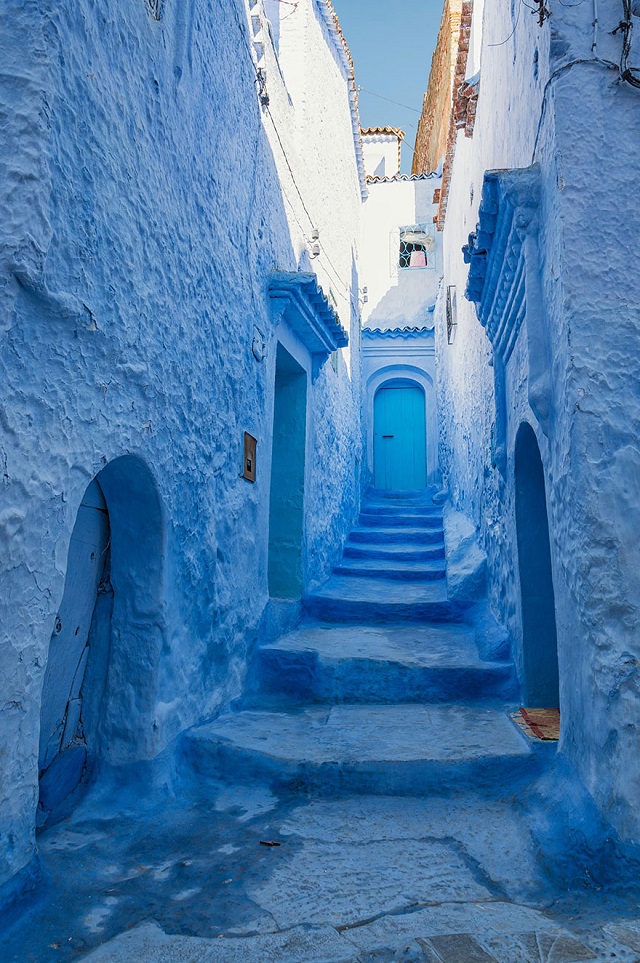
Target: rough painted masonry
point(146, 202)
point(564, 360)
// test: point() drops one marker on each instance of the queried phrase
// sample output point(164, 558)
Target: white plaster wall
point(381, 155)
point(590, 453)
point(309, 105)
point(397, 297)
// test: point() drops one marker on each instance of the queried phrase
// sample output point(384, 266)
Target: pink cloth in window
point(418, 259)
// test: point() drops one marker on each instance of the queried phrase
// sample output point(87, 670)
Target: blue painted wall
point(569, 367)
point(145, 216)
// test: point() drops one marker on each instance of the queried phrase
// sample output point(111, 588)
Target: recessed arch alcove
point(539, 633)
point(99, 687)
point(288, 457)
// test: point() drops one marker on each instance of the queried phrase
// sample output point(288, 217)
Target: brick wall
point(433, 127)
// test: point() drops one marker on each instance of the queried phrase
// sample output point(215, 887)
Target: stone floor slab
point(343, 884)
point(507, 858)
point(147, 943)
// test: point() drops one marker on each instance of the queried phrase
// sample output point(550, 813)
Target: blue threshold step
point(320, 662)
point(401, 750)
point(348, 598)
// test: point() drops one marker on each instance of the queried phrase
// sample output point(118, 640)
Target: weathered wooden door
point(400, 444)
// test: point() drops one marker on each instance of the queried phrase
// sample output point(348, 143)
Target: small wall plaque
point(452, 313)
point(250, 445)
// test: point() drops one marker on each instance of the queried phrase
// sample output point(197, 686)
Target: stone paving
point(330, 818)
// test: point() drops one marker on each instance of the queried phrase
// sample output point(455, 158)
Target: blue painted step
point(382, 749)
point(397, 569)
point(400, 551)
point(389, 535)
point(321, 662)
point(347, 598)
point(401, 521)
point(409, 510)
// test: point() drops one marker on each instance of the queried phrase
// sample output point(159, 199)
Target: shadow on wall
point(539, 637)
point(286, 512)
point(99, 689)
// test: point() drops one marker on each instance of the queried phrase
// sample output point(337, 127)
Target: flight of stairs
point(380, 689)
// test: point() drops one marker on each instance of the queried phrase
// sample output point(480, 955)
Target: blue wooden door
point(400, 445)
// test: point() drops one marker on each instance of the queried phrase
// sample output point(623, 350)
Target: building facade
point(180, 369)
point(537, 387)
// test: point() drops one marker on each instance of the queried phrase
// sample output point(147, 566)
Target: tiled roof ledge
point(302, 304)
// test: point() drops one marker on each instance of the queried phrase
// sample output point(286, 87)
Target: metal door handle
point(388, 436)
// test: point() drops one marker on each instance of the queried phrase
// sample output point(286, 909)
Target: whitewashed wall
point(398, 297)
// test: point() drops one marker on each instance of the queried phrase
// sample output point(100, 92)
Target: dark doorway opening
point(539, 634)
point(286, 512)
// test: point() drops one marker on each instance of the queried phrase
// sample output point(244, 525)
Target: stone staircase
point(381, 688)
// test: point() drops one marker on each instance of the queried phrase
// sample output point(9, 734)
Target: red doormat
point(544, 723)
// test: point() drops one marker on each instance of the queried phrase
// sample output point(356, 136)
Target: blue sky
point(391, 42)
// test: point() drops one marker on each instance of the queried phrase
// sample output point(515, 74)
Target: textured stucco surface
point(589, 351)
point(145, 201)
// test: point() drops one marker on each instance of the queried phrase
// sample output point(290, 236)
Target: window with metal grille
point(417, 247)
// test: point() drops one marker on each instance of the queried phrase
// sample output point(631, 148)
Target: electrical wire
point(388, 100)
point(515, 27)
point(554, 76)
point(630, 75)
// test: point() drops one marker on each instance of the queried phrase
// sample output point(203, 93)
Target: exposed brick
point(433, 127)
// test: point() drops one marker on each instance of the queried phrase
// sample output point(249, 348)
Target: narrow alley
point(369, 800)
point(320, 481)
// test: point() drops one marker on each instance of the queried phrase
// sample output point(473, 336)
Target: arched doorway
point(100, 682)
point(400, 436)
point(539, 636)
